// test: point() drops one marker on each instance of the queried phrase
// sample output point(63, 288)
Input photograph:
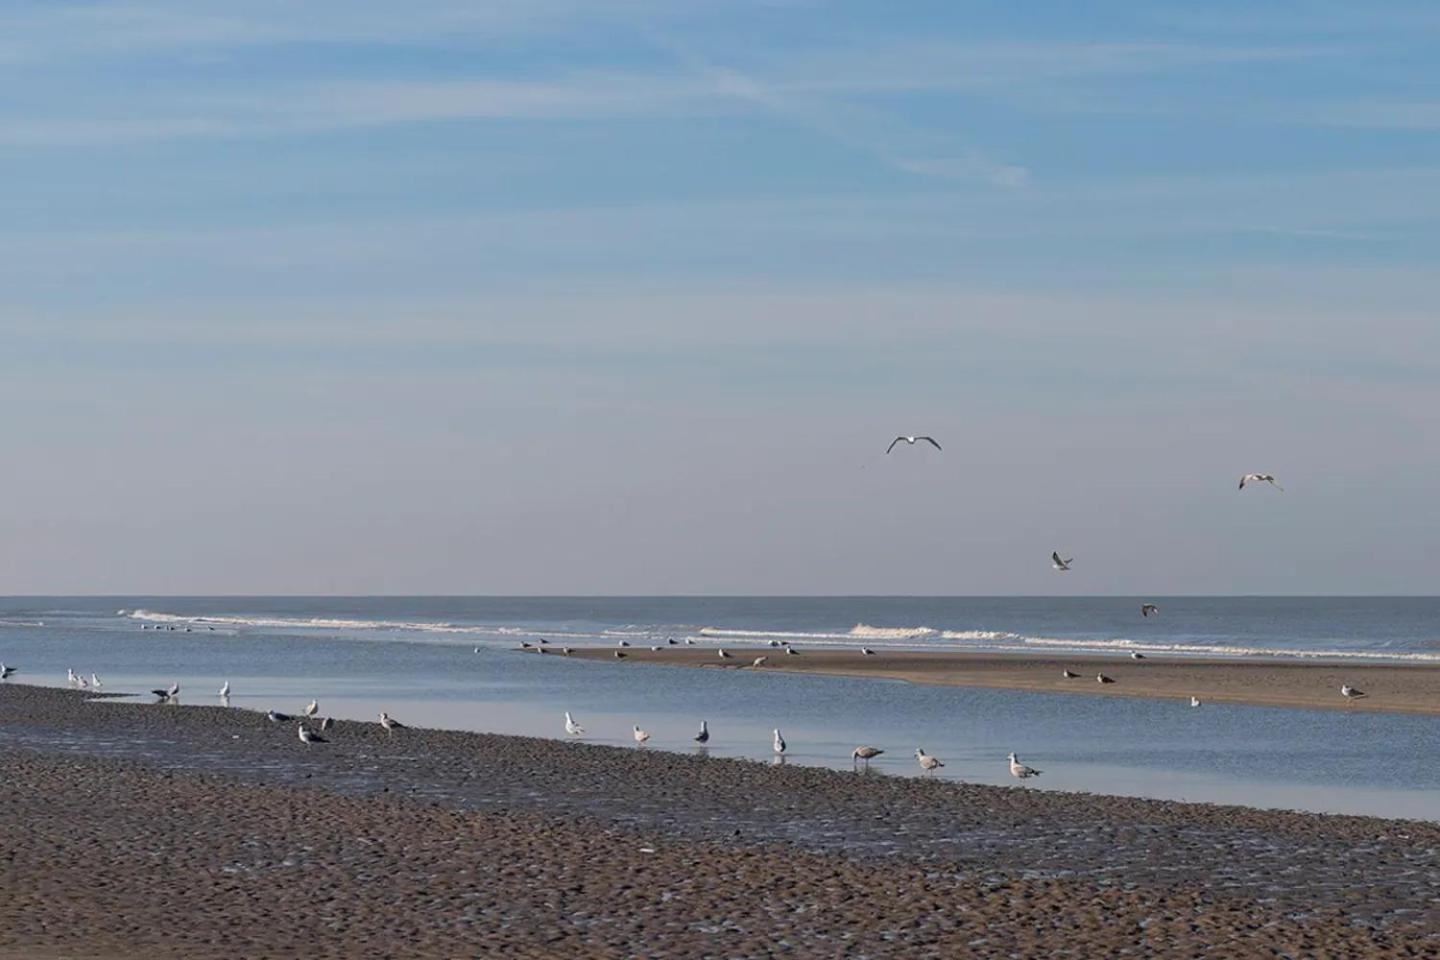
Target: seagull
point(566, 650)
point(671, 642)
point(724, 655)
point(640, 736)
point(1101, 678)
point(524, 645)
point(791, 652)
point(624, 643)
point(225, 689)
point(1350, 693)
point(620, 655)
point(1019, 771)
point(543, 642)
point(5, 671)
point(1260, 478)
point(70, 677)
point(864, 753)
point(477, 649)
point(308, 736)
point(779, 742)
point(275, 716)
point(704, 735)
point(759, 661)
point(326, 723)
point(571, 727)
point(775, 644)
point(390, 723)
point(80, 683)
point(911, 441)
point(170, 694)
point(95, 683)
point(866, 652)
point(689, 641)
point(1057, 563)
point(1194, 701)
point(1148, 608)
point(652, 650)
point(1068, 675)
point(1137, 656)
point(312, 708)
point(927, 762)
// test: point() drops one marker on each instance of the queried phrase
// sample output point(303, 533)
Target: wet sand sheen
point(1310, 685)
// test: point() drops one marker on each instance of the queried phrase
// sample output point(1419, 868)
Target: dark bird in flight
point(912, 441)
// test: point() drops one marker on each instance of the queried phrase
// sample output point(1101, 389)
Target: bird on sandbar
point(779, 744)
point(1194, 701)
point(95, 683)
point(1146, 609)
point(566, 650)
point(168, 695)
point(1351, 693)
point(671, 642)
point(275, 716)
point(1260, 478)
point(864, 753)
point(620, 654)
point(326, 723)
point(312, 708)
point(70, 676)
point(912, 441)
point(1068, 674)
point(1057, 563)
point(640, 736)
point(866, 652)
point(791, 652)
point(390, 723)
point(1101, 678)
point(704, 735)
point(308, 736)
point(927, 763)
point(1019, 771)
point(759, 661)
point(623, 643)
point(1137, 656)
point(723, 654)
point(689, 641)
point(225, 689)
point(571, 727)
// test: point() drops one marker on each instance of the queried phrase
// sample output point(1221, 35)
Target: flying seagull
point(1260, 478)
point(779, 744)
point(1350, 693)
point(308, 736)
point(865, 753)
point(1101, 678)
point(1148, 608)
point(704, 735)
point(927, 763)
point(1057, 563)
point(571, 727)
point(390, 723)
point(5, 671)
point(1019, 771)
point(911, 441)
point(640, 736)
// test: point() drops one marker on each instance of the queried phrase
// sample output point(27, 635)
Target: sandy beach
point(152, 830)
point(1309, 684)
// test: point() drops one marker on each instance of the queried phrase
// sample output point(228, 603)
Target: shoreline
point(1304, 685)
point(436, 843)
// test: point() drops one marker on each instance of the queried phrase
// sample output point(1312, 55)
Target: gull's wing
point(892, 444)
point(1277, 486)
point(931, 440)
point(1056, 557)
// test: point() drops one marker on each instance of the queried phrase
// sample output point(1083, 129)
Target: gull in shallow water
point(1020, 771)
point(95, 683)
point(390, 723)
point(927, 763)
point(779, 744)
point(759, 661)
point(704, 735)
point(308, 736)
point(1194, 701)
point(1350, 693)
point(864, 753)
point(1101, 678)
point(640, 736)
point(912, 441)
point(225, 689)
point(70, 676)
point(1057, 563)
point(312, 708)
point(1260, 478)
point(168, 695)
point(1148, 608)
point(571, 727)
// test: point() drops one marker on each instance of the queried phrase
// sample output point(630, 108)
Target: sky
point(564, 297)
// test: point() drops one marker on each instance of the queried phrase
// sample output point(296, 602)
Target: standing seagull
point(308, 736)
point(927, 763)
point(1148, 608)
point(1057, 563)
point(1019, 771)
point(70, 676)
point(723, 654)
point(759, 661)
point(1101, 678)
point(864, 753)
point(704, 735)
point(312, 708)
point(1350, 693)
point(640, 737)
point(1194, 701)
point(225, 689)
point(390, 723)
point(1260, 478)
point(95, 683)
point(571, 727)
point(911, 441)
point(779, 742)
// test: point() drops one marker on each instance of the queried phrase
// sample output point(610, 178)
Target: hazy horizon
point(558, 299)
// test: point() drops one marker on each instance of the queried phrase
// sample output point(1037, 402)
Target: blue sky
point(564, 297)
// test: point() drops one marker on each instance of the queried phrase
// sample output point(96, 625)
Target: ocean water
point(452, 662)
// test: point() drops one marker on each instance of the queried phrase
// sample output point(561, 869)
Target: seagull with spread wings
point(912, 441)
point(1260, 478)
point(1058, 564)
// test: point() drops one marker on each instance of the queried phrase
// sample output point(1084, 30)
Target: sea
point(454, 662)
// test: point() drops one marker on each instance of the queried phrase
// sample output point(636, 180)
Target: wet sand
point(1310, 685)
point(200, 831)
